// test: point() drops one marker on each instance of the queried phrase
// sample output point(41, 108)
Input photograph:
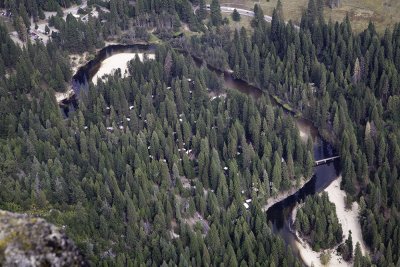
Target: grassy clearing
point(291, 9)
point(384, 13)
point(244, 21)
point(154, 39)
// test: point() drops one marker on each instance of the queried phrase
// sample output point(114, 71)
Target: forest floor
point(198, 219)
point(383, 13)
point(245, 21)
point(39, 33)
point(77, 61)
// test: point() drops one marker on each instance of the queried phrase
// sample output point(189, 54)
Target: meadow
point(384, 13)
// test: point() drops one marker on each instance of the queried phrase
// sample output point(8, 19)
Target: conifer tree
point(235, 15)
point(216, 16)
point(202, 11)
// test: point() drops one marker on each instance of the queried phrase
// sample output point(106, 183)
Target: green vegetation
point(150, 169)
point(235, 15)
point(346, 249)
point(161, 181)
point(315, 69)
point(37, 68)
point(317, 222)
point(215, 13)
point(383, 13)
point(325, 258)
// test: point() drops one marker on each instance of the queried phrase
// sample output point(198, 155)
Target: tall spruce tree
point(216, 16)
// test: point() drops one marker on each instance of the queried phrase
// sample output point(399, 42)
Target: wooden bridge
point(326, 160)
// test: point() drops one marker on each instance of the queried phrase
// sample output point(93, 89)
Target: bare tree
point(357, 72)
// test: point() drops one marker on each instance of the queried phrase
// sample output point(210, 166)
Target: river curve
point(278, 214)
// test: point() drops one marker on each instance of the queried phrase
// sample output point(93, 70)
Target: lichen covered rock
point(28, 241)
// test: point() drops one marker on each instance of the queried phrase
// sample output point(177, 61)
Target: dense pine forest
point(318, 222)
point(347, 85)
point(173, 159)
point(154, 169)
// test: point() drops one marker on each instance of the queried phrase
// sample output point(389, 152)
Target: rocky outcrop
point(27, 241)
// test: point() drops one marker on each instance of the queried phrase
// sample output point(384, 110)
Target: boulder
point(29, 241)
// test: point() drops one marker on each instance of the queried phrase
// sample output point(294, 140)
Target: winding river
point(91, 68)
point(278, 214)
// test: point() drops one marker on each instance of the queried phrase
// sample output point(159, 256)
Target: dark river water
point(279, 214)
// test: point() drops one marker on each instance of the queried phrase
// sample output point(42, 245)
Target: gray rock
point(27, 241)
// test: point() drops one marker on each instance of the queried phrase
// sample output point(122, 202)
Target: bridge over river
point(325, 160)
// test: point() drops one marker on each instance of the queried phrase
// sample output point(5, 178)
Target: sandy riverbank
point(118, 61)
point(306, 130)
point(348, 220)
point(312, 258)
point(62, 96)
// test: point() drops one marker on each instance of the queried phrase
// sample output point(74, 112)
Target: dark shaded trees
point(235, 15)
point(215, 13)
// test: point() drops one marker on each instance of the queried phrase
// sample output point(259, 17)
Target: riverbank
point(348, 218)
point(283, 195)
point(107, 66)
point(349, 221)
point(62, 96)
point(78, 60)
point(118, 61)
point(312, 258)
point(306, 131)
